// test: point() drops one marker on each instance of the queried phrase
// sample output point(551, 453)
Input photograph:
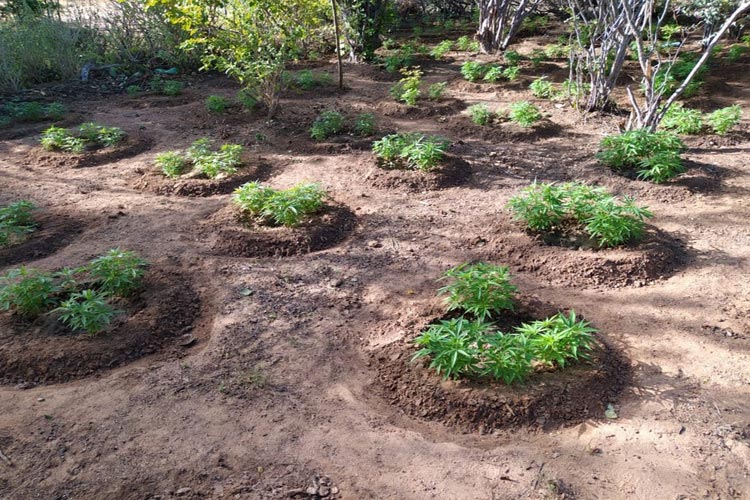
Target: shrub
point(118, 272)
point(436, 90)
point(607, 220)
point(558, 340)
point(512, 57)
point(524, 113)
point(466, 44)
point(307, 80)
point(223, 162)
point(439, 51)
point(100, 135)
point(57, 138)
point(453, 346)
point(217, 103)
point(481, 289)
point(407, 89)
point(556, 51)
point(279, 207)
point(327, 124)
point(87, 311)
point(511, 73)
point(26, 111)
point(537, 57)
point(364, 125)
point(473, 71)
point(480, 114)
point(28, 291)
point(16, 220)
point(247, 98)
point(403, 58)
point(683, 120)
point(494, 74)
point(410, 150)
point(724, 119)
point(542, 88)
point(654, 156)
point(88, 135)
point(171, 163)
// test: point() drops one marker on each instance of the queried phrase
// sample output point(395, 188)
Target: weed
point(494, 74)
point(473, 71)
point(407, 89)
point(654, 156)
point(736, 52)
point(34, 111)
point(172, 88)
point(524, 113)
point(28, 291)
point(279, 207)
point(57, 138)
point(223, 162)
point(100, 135)
point(452, 345)
point(512, 57)
point(411, 150)
point(558, 340)
point(724, 119)
point(466, 44)
point(683, 120)
point(556, 51)
point(171, 163)
point(118, 272)
point(537, 57)
point(542, 88)
point(480, 289)
point(439, 51)
point(87, 311)
point(133, 89)
point(436, 90)
point(511, 73)
point(247, 98)
point(480, 114)
point(364, 125)
point(307, 80)
point(16, 220)
point(403, 58)
point(327, 124)
point(217, 103)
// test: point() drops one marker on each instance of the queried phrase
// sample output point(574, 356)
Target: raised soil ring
point(656, 257)
point(453, 171)
point(230, 236)
point(445, 107)
point(547, 399)
point(44, 351)
point(155, 182)
point(131, 146)
point(53, 232)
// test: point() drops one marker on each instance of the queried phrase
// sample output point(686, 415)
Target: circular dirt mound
point(446, 106)
point(153, 181)
point(454, 171)
point(231, 237)
point(44, 351)
point(548, 399)
point(52, 233)
point(132, 146)
point(656, 257)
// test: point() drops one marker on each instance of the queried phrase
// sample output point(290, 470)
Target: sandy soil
point(282, 386)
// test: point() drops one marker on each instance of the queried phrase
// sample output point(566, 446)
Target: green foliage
point(436, 90)
point(524, 113)
point(407, 89)
point(439, 51)
point(287, 207)
point(724, 119)
point(100, 135)
point(16, 220)
point(512, 57)
point(217, 103)
point(453, 347)
point(171, 163)
point(511, 73)
point(736, 53)
point(364, 125)
point(307, 80)
point(682, 120)
point(558, 340)
point(466, 44)
point(482, 290)
point(537, 57)
point(670, 76)
point(87, 311)
point(327, 124)
point(57, 138)
point(172, 88)
point(556, 51)
point(133, 89)
point(480, 114)
point(29, 112)
point(654, 156)
point(28, 291)
point(493, 74)
point(410, 150)
point(542, 88)
point(401, 59)
point(223, 162)
point(88, 136)
point(118, 272)
point(247, 98)
point(607, 220)
point(473, 71)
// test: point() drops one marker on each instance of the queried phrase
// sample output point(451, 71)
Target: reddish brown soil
point(286, 387)
point(452, 171)
point(53, 231)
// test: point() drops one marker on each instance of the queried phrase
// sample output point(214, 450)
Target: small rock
point(374, 244)
point(40, 399)
point(183, 491)
point(187, 340)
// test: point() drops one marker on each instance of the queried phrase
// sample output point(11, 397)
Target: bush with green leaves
point(29, 111)
point(556, 51)
point(307, 80)
point(58, 138)
point(736, 53)
point(287, 207)
point(28, 291)
point(436, 90)
point(133, 89)
point(171, 163)
point(466, 44)
point(481, 290)
point(118, 272)
point(537, 57)
point(542, 88)
point(100, 135)
point(201, 158)
point(88, 136)
point(652, 156)
point(407, 89)
point(247, 99)
point(494, 74)
point(16, 221)
point(511, 73)
point(480, 114)
point(575, 207)
point(401, 59)
point(473, 71)
point(217, 103)
point(413, 151)
point(364, 125)
point(524, 114)
point(169, 88)
point(682, 120)
point(329, 123)
point(724, 119)
point(439, 50)
point(512, 57)
point(87, 311)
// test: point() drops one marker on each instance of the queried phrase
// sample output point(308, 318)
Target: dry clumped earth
point(278, 367)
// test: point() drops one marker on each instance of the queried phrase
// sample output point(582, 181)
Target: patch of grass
point(413, 151)
point(16, 221)
point(724, 119)
point(480, 114)
point(524, 114)
point(287, 207)
point(329, 123)
point(654, 156)
point(217, 103)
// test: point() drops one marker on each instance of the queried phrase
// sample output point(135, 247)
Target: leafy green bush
point(511, 73)
point(307, 80)
point(482, 290)
point(724, 119)
point(327, 124)
point(171, 163)
point(28, 291)
point(736, 52)
point(410, 150)
point(524, 113)
point(287, 207)
point(556, 51)
point(512, 57)
point(494, 74)
point(403, 58)
point(166, 87)
point(537, 57)
point(407, 89)
point(364, 125)
point(436, 90)
point(16, 220)
point(88, 311)
point(100, 135)
point(57, 138)
point(217, 103)
point(133, 89)
point(480, 114)
point(466, 44)
point(88, 135)
point(453, 346)
point(580, 207)
point(654, 156)
point(247, 98)
point(682, 120)
point(118, 272)
point(542, 88)
point(439, 51)
point(473, 71)
point(33, 111)
point(558, 340)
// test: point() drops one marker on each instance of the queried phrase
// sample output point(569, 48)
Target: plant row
point(88, 136)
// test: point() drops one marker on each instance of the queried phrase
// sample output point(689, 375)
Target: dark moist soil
point(44, 351)
point(133, 145)
point(155, 182)
point(444, 107)
point(21, 130)
point(229, 235)
point(453, 171)
point(546, 399)
point(53, 232)
point(562, 260)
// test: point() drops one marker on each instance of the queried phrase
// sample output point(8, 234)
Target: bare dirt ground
point(285, 380)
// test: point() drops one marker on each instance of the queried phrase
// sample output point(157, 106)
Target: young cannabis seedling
point(654, 156)
point(28, 291)
point(411, 150)
point(439, 51)
point(724, 119)
point(407, 89)
point(511, 73)
point(57, 138)
point(171, 163)
point(473, 71)
point(482, 290)
point(436, 90)
point(217, 104)
point(480, 114)
point(364, 125)
point(524, 114)
point(118, 272)
point(87, 311)
point(512, 57)
point(327, 124)
point(16, 220)
point(494, 74)
point(558, 340)
point(453, 347)
point(542, 88)
point(87, 135)
point(466, 44)
point(247, 98)
point(683, 120)
point(287, 207)
point(307, 80)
